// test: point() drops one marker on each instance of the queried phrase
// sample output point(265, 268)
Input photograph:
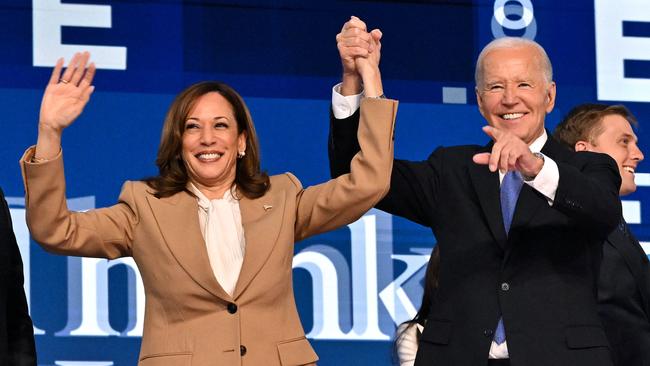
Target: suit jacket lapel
point(178, 221)
point(262, 219)
point(636, 260)
point(486, 184)
point(530, 201)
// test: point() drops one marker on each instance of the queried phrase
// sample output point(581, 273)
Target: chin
point(625, 190)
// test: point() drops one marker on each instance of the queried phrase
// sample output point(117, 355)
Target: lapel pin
point(267, 207)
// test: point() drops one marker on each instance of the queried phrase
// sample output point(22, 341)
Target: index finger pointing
point(494, 133)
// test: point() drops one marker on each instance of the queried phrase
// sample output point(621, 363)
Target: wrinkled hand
point(509, 152)
point(67, 94)
point(353, 41)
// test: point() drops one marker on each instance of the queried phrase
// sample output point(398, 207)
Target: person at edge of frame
point(16, 329)
point(624, 281)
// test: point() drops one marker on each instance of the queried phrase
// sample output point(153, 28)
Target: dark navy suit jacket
point(541, 277)
point(16, 330)
point(624, 298)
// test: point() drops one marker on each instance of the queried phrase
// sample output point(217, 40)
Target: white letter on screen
point(48, 18)
point(612, 49)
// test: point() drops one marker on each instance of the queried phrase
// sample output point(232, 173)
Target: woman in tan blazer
point(219, 296)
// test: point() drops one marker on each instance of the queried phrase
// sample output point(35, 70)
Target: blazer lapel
point(262, 219)
point(178, 221)
point(486, 185)
point(636, 260)
point(530, 201)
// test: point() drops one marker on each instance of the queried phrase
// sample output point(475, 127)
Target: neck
point(213, 192)
point(532, 140)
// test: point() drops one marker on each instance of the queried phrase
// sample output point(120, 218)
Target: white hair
point(514, 42)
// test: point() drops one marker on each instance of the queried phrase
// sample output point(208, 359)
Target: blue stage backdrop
point(353, 285)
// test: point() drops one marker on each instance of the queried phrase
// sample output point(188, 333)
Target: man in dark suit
point(519, 222)
point(624, 282)
point(16, 330)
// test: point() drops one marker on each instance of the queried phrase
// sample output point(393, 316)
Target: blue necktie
point(510, 188)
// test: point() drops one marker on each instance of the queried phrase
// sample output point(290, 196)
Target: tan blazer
point(189, 318)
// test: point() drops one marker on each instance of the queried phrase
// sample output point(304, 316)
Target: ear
point(241, 141)
point(582, 146)
point(550, 97)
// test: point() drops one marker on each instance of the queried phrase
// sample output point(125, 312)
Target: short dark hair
point(583, 122)
point(173, 177)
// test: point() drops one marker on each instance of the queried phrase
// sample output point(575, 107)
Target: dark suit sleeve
point(342, 143)
point(588, 192)
point(20, 331)
point(410, 195)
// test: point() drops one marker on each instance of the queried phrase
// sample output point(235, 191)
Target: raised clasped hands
point(509, 152)
point(360, 53)
point(67, 93)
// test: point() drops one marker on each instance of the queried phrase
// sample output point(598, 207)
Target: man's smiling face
point(513, 93)
point(619, 141)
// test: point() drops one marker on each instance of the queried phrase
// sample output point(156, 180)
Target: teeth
point(210, 156)
point(512, 115)
point(628, 169)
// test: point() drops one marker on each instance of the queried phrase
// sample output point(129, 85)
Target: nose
point(636, 153)
point(509, 95)
point(207, 136)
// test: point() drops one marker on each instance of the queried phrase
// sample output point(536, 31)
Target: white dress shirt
point(545, 182)
point(223, 232)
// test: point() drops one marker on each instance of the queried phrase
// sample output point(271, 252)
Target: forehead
point(615, 125)
point(512, 63)
point(213, 104)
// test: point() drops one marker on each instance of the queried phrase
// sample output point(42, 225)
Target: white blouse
point(220, 221)
point(407, 342)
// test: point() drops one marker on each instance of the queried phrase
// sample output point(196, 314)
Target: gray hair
point(514, 42)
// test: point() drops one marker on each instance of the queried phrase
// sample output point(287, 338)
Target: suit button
point(488, 332)
point(232, 308)
point(505, 286)
point(242, 350)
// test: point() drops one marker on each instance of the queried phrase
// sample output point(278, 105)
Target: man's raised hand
point(509, 152)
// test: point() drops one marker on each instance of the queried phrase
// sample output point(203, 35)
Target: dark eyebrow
point(214, 119)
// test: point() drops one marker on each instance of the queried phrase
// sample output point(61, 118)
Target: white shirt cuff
point(546, 180)
point(344, 106)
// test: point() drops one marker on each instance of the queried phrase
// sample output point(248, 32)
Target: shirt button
point(505, 286)
point(242, 350)
point(488, 332)
point(232, 308)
